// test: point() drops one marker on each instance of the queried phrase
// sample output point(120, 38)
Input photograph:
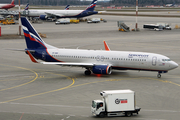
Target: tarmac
point(30, 91)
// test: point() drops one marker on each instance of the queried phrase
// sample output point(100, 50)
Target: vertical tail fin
point(33, 40)
point(12, 2)
point(106, 46)
point(27, 7)
point(67, 7)
point(92, 5)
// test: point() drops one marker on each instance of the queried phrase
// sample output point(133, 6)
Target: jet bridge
point(122, 26)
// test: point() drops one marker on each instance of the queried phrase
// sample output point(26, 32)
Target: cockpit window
point(166, 59)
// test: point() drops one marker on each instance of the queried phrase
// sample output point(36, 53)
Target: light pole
point(19, 20)
point(136, 27)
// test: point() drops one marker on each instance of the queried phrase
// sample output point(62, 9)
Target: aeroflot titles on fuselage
point(138, 55)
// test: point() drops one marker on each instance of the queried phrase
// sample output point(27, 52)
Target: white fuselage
point(37, 13)
point(117, 59)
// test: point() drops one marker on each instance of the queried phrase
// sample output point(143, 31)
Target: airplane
point(25, 12)
point(27, 7)
point(46, 14)
point(96, 61)
point(170, 5)
point(7, 6)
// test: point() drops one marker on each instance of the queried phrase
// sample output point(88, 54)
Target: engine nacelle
point(43, 17)
point(102, 69)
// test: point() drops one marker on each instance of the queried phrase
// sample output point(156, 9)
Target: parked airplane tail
point(12, 2)
point(33, 40)
point(67, 7)
point(27, 7)
point(92, 6)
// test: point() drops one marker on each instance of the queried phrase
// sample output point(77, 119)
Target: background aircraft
point(96, 61)
point(7, 6)
point(46, 14)
point(170, 5)
point(67, 7)
point(27, 7)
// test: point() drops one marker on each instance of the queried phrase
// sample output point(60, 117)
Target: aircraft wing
point(69, 64)
point(101, 12)
point(52, 14)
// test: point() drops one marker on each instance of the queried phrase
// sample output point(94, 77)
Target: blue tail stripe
point(92, 6)
point(29, 27)
point(32, 38)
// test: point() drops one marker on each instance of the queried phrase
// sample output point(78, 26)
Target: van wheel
point(101, 115)
point(128, 114)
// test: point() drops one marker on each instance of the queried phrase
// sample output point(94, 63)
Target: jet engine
point(102, 69)
point(43, 17)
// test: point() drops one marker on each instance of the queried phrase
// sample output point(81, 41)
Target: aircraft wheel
point(87, 72)
point(159, 75)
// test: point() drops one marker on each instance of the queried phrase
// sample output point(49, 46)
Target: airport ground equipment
point(74, 21)
point(7, 12)
point(82, 19)
point(158, 26)
point(42, 35)
point(177, 26)
point(63, 21)
point(122, 26)
point(115, 103)
point(94, 20)
point(103, 20)
point(7, 22)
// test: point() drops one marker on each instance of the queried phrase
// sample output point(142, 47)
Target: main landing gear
point(87, 72)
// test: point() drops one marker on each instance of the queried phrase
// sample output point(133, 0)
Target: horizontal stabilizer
point(22, 50)
point(31, 57)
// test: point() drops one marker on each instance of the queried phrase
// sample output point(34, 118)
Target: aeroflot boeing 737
point(96, 61)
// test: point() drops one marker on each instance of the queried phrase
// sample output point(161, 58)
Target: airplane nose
point(173, 65)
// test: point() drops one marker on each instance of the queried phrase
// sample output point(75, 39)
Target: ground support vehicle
point(63, 21)
point(158, 26)
point(94, 20)
point(74, 21)
point(115, 103)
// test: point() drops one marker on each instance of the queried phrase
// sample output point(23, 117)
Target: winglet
point(106, 46)
point(31, 57)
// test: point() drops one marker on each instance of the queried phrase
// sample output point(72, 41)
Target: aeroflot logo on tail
point(138, 55)
point(117, 101)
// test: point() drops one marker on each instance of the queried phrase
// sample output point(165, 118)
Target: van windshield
point(93, 104)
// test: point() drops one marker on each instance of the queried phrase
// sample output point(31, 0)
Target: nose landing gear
point(159, 75)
